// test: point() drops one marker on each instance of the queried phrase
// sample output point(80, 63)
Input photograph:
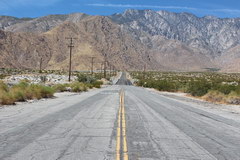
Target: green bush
point(89, 81)
point(78, 87)
point(97, 84)
point(161, 85)
point(199, 88)
point(7, 99)
point(46, 92)
point(82, 78)
point(2, 76)
point(166, 86)
point(215, 87)
point(225, 89)
point(215, 96)
point(60, 87)
point(18, 94)
point(88, 85)
point(3, 87)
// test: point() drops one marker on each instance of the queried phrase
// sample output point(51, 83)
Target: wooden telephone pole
point(40, 65)
point(105, 66)
point(144, 71)
point(92, 62)
point(110, 70)
point(71, 46)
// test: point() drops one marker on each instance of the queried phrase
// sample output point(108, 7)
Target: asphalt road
point(87, 127)
point(123, 80)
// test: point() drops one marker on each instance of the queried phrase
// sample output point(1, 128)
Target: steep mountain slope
point(131, 40)
point(230, 60)
point(210, 35)
point(44, 24)
point(23, 50)
point(178, 56)
point(6, 21)
point(97, 36)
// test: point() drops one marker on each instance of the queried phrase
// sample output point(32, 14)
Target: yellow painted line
point(118, 143)
point(118, 148)
point(125, 148)
point(121, 131)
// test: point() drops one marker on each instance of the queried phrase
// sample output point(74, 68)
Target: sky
point(37, 8)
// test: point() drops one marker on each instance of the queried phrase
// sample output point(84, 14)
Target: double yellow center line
point(121, 148)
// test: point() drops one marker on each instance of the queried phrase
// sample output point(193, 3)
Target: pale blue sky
point(36, 8)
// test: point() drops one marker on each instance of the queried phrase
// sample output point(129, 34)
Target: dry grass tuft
point(22, 92)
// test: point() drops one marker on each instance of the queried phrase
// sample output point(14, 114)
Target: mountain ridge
point(161, 40)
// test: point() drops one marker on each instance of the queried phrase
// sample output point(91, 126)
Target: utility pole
point(92, 64)
point(71, 46)
point(105, 66)
point(114, 70)
point(144, 70)
point(110, 68)
point(102, 69)
point(40, 65)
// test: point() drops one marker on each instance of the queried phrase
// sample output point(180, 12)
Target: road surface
point(117, 122)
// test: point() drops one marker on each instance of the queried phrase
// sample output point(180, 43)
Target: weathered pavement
point(85, 127)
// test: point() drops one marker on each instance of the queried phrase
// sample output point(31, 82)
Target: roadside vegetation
point(83, 83)
point(214, 87)
point(24, 90)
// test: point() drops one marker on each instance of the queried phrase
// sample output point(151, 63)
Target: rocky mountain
point(96, 36)
point(160, 40)
point(230, 60)
point(211, 35)
point(42, 24)
point(6, 21)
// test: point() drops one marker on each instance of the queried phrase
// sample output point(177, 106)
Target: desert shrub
point(97, 84)
point(88, 85)
point(33, 92)
point(215, 96)
point(60, 87)
point(98, 75)
point(18, 94)
point(43, 79)
point(82, 78)
point(22, 85)
point(198, 88)
point(3, 87)
point(22, 92)
point(7, 99)
point(38, 91)
point(218, 87)
point(90, 81)
point(78, 87)
point(166, 86)
point(237, 89)
point(224, 88)
point(46, 92)
point(2, 76)
point(140, 83)
point(233, 98)
point(25, 80)
point(161, 85)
